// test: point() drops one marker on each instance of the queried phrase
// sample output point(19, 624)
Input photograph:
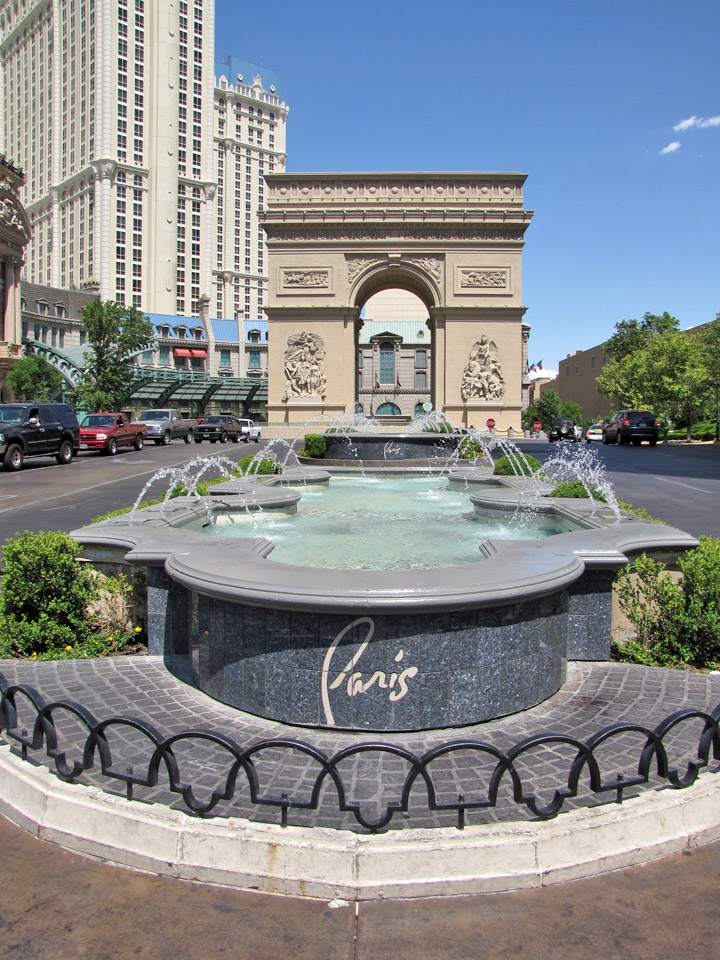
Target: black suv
point(37, 430)
point(563, 428)
point(631, 426)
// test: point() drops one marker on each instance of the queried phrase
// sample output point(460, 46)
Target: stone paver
point(594, 696)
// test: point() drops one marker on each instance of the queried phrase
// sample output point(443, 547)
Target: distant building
point(14, 236)
point(144, 156)
point(575, 381)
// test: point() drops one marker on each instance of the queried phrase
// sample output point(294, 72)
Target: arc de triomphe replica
point(453, 239)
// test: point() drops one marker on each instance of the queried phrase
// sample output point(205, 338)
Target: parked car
point(165, 425)
point(563, 428)
point(249, 430)
point(631, 426)
point(108, 431)
point(216, 428)
point(37, 430)
point(594, 434)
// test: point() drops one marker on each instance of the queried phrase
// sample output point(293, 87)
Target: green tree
point(633, 335)
point(545, 409)
point(709, 339)
point(33, 378)
point(115, 333)
point(568, 408)
point(668, 376)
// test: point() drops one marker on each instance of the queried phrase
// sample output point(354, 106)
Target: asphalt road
point(678, 483)
point(675, 482)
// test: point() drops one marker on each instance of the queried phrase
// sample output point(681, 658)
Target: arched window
point(419, 410)
point(388, 410)
point(387, 362)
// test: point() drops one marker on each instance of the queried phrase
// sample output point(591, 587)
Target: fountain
point(322, 644)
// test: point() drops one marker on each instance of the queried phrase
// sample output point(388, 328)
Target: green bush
point(469, 449)
point(247, 466)
point(676, 623)
point(638, 511)
point(440, 426)
point(576, 490)
point(514, 464)
point(315, 445)
point(53, 607)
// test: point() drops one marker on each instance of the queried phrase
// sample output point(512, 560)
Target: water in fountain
point(584, 465)
point(188, 476)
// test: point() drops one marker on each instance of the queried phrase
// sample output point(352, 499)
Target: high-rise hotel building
point(144, 157)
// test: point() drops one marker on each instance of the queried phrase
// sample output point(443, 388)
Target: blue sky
point(587, 97)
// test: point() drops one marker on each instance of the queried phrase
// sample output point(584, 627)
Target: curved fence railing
point(162, 755)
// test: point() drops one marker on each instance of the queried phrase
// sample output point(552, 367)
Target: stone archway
point(453, 239)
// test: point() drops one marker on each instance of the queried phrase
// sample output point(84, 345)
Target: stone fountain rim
point(241, 570)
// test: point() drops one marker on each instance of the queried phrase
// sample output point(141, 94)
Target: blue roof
point(230, 67)
point(227, 330)
point(173, 321)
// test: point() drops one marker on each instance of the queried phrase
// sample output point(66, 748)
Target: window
point(387, 362)
point(421, 358)
point(420, 380)
point(147, 356)
point(254, 358)
point(164, 356)
point(254, 336)
point(224, 358)
point(388, 410)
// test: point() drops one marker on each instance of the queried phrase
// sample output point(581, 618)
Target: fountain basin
point(378, 650)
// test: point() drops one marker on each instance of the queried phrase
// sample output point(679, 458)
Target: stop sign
point(537, 425)
point(489, 423)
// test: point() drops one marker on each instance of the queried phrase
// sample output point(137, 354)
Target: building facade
point(145, 158)
point(575, 381)
point(14, 237)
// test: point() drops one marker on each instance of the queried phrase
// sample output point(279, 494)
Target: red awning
point(181, 352)
point(198, 353)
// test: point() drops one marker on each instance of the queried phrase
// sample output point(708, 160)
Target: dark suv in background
point(37, 430)
point(631, 426)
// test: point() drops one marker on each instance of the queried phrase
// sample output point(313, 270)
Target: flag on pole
point(377, 383)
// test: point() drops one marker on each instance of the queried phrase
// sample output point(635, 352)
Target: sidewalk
point(57, 906)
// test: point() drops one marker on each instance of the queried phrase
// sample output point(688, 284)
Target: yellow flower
point(138, 629)
point(34, 655)
point(68, 648)
point(110, 638)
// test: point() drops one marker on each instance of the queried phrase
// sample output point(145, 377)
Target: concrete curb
point(331, 864)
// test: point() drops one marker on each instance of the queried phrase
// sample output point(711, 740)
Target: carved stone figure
point(304, 366)
point(482, 378)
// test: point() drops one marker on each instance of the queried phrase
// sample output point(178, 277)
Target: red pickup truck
point(108, 431)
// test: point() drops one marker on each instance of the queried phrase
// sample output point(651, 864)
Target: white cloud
point(671, 147)
point(685, 124)
point(700, 122)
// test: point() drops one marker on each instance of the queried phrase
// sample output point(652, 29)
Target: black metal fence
point(584, 770)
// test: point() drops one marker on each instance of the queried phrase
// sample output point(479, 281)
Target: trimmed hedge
point(515, 465)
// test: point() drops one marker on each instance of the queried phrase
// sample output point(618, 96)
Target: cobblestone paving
point(594, 696)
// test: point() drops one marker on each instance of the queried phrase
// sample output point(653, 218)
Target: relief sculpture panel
point(304, 366)
point(482, 377)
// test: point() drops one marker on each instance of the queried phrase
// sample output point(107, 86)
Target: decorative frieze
point(278, 232)
point(304, 278)
point(482, 280)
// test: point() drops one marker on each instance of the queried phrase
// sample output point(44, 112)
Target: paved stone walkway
point(55, 905)
point(140, 687)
